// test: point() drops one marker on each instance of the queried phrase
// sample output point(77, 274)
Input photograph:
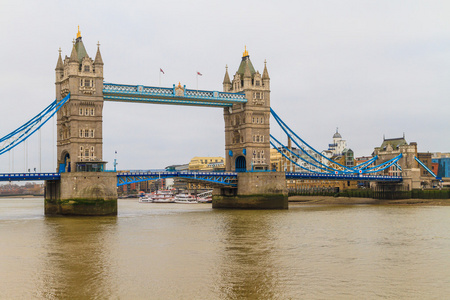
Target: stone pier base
point(258, 190)
point(82, 194)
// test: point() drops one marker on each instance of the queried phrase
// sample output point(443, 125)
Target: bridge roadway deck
point(174, 95)
point(357, 177)
point(29, 176)
point(223, 178)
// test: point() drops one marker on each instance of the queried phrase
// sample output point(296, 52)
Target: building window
point(86, 133)
point(87, 68)
point(81, 153)
point(92, 112)
point(81, 111)
point(81, 134)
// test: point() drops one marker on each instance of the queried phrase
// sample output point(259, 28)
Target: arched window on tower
point(81, 153)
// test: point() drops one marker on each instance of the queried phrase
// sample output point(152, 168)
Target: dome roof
point(337, 135)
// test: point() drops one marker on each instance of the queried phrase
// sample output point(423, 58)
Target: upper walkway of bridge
point(177, 95)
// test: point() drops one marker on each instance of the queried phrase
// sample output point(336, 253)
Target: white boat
point(185, 198)
point(163, 196)
point(146, 198)
point(205, 197)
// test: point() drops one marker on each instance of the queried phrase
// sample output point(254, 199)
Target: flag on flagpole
point(161, 70)
point(198, 73)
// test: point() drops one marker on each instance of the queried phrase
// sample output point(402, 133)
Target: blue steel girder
point(328, 176)
point(219, 178)
point(175, 95)
point(29, 176)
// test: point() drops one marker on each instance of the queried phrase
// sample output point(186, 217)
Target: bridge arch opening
point(65, 166)
point(241, 164)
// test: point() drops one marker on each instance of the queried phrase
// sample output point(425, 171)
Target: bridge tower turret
point(247, 128)
point(83, 189)
point(79, 122)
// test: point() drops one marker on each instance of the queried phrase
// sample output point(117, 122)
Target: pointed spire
point(98, 57)
point(226, 79)
point(245, 54)
point(265, 73)
point(73, 55)
point(247, 72)
point(59, 64)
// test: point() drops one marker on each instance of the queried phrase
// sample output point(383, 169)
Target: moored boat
point(185, 198)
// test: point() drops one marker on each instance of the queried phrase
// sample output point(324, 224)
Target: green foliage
point(430, 194)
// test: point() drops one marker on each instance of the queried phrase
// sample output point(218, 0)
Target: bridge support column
point(256, 190)
point(82, 194)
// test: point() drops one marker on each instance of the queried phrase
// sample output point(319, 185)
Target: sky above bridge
point(371, 68)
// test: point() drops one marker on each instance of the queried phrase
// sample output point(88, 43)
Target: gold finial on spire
point(245, 52)
point(98, 44)
point(59, 50)
point(78, 33)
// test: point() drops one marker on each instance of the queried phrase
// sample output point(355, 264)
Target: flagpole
point(197, 82)
point(159, 77)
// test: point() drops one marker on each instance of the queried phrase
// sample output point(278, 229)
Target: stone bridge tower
point(247, 128)
point(247, 144)
point(79, 121)
point(83, 189)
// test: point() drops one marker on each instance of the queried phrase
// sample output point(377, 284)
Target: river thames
point(190, 251)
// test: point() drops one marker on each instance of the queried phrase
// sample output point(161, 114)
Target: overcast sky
point(371, 68)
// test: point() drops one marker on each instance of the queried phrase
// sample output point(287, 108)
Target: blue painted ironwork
point(383, 166)
point(427, 169)
point(358, 177)
point(220, 178)
point(292, 134)
point(29, 176)
point(159, 95)
point(333, 166)
point(19, 135)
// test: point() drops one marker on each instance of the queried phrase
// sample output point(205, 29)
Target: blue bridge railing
point(175, 95)
point(29, 176)
point(220, 178)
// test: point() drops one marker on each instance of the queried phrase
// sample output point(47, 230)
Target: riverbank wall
point(329, 200)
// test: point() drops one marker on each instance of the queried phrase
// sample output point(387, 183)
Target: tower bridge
point(82, 187)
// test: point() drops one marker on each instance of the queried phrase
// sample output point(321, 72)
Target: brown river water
point(190, 251)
